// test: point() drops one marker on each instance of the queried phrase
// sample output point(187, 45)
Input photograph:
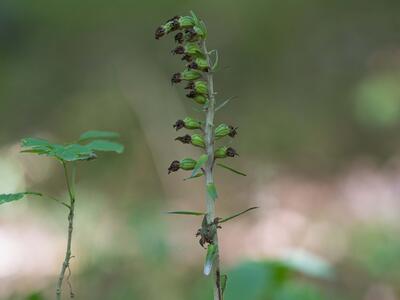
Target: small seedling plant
point(68, 155)
point(201, 64)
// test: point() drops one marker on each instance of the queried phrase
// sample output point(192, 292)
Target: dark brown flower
point(186, 139)
point(179, 124)
point(176, 78)
point(174, 166)
point(160, 31)
point(179, 38)
point(233, 131)
point(231, 152)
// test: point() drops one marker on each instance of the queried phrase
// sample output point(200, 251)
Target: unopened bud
point(179, 37)
point(194, 34)
point(186, 22)
point(187, 123)
point(195, 139)
point(199, 86)
point(198, 140)
point(224, 130)
point(199, 64)
point(187, 164)
point(223, 152)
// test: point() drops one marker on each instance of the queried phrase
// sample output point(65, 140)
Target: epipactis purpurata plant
point(190, 35)
point(68, 155)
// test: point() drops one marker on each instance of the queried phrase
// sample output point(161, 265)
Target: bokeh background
point(318, 109)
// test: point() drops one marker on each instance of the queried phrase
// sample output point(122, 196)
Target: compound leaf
point(5, 198)
point(103, 145)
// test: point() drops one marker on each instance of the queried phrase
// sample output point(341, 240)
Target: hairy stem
point(71, 191)
point(208, 170)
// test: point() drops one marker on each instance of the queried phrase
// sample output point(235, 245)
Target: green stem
point(208, 170)
point(71, 191)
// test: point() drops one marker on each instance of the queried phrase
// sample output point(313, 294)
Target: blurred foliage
point(316, 85)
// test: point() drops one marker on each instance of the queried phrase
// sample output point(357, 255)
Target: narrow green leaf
point(5, 198)
point(231, 169)
point(224, 103)
point(183, 212)
point(224, 279)
point(237, 215)
point(212, 191)
point(210, 257)
point(103, 145)
point(200, 162)
point(195, 176)
point(97, 134)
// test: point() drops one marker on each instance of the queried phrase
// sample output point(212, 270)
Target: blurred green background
point(318, 109)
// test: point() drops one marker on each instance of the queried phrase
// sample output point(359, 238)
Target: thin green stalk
point(208, 170)
point(71, 191)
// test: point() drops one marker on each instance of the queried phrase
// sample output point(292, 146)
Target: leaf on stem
point(97, 134)
point(212, 191)
point(237, 215)
point(195, 176)
point(210, 257)
point(103, 145)
point(5, 198)
point(224, 279)
point(200, 162)
point(224, 103)
point(231, 169)
point(185, 212)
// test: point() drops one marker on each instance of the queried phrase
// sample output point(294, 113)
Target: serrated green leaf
point(5, 198)
point(97, 134)
point(212, 191)
point(210, 257)
point(104, 145)
point(224, 279)
point(183, 212)
point(231, 169)
point(237, 214)
point(200, 162)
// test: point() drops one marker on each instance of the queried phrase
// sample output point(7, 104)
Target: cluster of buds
point(190, 33)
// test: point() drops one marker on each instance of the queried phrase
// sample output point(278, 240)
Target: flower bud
point(195, 139)
point(198, 140)
point(194, 34)
point(187, 75)
point(187, 58)
point(198, 98)
point(200, 87)
point(187, 164)
point(224, 130)
point(187, 123)
point(199, 64)
point(186, 22)
point(223, 152)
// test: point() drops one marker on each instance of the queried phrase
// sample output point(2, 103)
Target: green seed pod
point(198, 140)
point(193, 49)
point(200, 99)
point(191, 123)
point(201, 87)
point(190, 75)
point(199, 64)
point(223, 152)
point(222, 130)
point(188, 123)
point(187, 164)
point(186, 22)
